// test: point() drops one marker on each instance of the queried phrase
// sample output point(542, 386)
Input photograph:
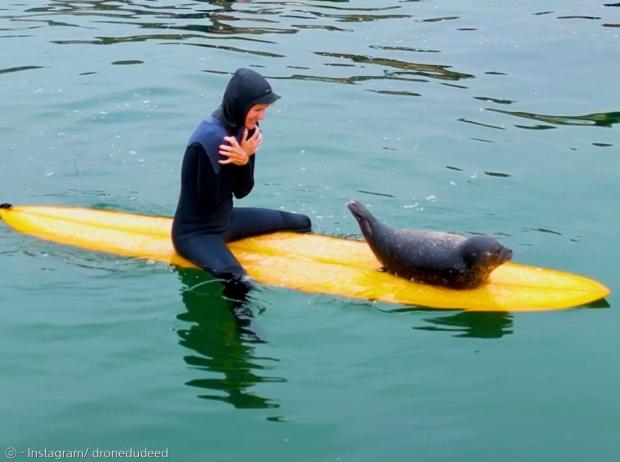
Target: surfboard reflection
point(223, 339)
point(472, 324)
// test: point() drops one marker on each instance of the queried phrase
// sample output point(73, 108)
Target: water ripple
point(206, 24)
point(397, 48)
point(239, 50)
point(350, 80)
point(598, 119)
point(441, 19)
point(494, 100)
point(18, 69)
point(579, 17)
point(358, 17)
point(426, 70)
point(480, 124)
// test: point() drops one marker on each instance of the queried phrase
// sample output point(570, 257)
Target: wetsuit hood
point(245, 89)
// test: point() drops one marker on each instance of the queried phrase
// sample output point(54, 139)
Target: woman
point(219, 164)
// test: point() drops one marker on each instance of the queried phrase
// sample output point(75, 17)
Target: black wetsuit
point(205, 218)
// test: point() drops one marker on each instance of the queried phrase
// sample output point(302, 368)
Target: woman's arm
point(244, 179)
point(208, 182)
point(242, 156)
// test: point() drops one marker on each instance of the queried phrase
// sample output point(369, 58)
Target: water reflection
point(405, 67)
point(19, 69)
point(494, 100)
point(353, 80)
point(395, 92)
point(498, 174)
point(249, 28)
point(239, 50)
point(352, 17)
point(542, 230)
point(598, 119)
point(579, 17)
point(441, 19)
point(472, 324)
point(396, 48)
point(223, 345)
point(480, 124)
point(483, 325)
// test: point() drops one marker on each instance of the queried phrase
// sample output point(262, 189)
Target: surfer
point(219, 164)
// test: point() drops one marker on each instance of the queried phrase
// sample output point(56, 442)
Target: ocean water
point(486, 117)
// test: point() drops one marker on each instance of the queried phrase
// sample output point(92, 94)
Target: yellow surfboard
point(307, 262)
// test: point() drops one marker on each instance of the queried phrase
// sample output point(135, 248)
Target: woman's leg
point(209, 252)
point(251, 221)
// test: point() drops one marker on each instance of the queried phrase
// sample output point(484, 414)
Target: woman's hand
point(239, 154)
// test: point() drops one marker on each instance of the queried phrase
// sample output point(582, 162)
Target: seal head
point(482, 254)
point(432, 257)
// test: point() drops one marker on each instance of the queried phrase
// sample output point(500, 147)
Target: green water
point(478, 117)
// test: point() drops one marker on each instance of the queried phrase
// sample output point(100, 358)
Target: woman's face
point(256, 113)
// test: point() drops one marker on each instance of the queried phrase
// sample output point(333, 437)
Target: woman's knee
point(297, 222)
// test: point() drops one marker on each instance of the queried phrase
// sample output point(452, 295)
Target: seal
point(432, 257)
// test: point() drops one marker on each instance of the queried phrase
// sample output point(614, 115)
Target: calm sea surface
point(491, 117)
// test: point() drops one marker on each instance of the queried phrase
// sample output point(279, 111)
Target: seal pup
point(433, 257)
